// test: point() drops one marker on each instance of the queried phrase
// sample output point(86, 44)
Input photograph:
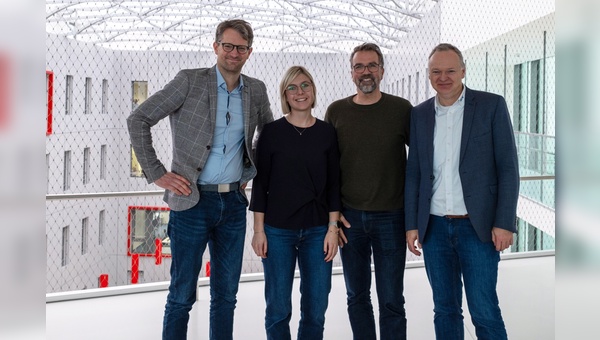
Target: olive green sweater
point(372, 141)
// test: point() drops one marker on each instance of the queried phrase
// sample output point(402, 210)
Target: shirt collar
point(221, 81)
point(459, 103)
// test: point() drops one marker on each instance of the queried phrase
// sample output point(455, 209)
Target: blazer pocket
point(483, 136)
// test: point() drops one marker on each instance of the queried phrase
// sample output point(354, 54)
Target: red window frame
point(129, 222)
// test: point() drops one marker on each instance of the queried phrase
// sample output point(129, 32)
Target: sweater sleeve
point(333, 175)
point(260, 184)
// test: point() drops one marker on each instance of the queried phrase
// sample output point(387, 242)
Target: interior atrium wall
point(88, 151)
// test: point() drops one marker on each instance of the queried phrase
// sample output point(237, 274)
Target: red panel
point(158, 252)
point(50, 77)
point(135, 263)
point(103, 279)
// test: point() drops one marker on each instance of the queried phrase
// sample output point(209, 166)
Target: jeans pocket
point(241, 195)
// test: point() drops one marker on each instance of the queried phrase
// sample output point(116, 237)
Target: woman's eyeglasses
point(293, 89)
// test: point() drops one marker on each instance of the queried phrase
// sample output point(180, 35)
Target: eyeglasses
point(293, 89)
point(227, 47)
point(360, 68)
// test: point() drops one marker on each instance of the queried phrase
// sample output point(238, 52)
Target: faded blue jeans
point(452, 250)
point(284, 247)
point(382, 234)
point(219, 220)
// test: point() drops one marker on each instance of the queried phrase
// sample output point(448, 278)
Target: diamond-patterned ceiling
point(279, 25)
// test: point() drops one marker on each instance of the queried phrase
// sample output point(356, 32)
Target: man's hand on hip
point(179, 185)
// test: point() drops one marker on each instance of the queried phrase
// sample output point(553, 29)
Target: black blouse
point(298, 180)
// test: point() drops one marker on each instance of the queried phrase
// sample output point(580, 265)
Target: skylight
point(279, 25)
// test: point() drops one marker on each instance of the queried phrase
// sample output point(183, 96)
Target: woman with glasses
point(296, 204)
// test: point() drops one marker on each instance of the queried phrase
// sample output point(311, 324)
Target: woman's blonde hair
point(288, 77)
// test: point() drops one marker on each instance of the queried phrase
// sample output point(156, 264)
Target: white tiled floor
point(525, 287)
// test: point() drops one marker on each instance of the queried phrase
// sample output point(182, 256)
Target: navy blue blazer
point(488, 165)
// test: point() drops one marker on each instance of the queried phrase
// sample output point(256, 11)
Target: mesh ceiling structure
point(308, 26)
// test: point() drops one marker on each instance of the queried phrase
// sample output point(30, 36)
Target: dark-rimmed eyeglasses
point(293, 89)
point(360, 68)
point(241, 49)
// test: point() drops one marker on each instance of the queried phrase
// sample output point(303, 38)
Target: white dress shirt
point(447, 189)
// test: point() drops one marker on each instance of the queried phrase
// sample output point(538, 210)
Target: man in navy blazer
point(214, 113)
point(462, 187)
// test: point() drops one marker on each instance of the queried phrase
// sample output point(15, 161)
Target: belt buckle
point(223, 188)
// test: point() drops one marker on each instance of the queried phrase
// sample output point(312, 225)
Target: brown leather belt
point(457, 216)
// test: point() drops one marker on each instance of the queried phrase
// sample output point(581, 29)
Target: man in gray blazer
point(462, 187)
point(214, 113)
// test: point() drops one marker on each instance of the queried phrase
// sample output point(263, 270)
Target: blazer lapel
point(429, 129)
point(246, 105)
point(212, 95)
point(468, 116)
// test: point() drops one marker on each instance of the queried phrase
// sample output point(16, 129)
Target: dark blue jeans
point(284, 247)
point(382, 234)
point(219, 220)
point(452, 249)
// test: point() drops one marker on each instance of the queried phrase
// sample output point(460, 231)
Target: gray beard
point(367, 89)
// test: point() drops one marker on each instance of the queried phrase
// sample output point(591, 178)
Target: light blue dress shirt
point(226, 160)
point(447, 188)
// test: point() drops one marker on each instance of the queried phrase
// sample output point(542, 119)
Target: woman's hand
point(259, 244)
point(330, 245)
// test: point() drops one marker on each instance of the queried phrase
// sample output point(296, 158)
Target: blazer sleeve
point(413, 177)
point(265, 115)
point(507, 165)
point(149, 113)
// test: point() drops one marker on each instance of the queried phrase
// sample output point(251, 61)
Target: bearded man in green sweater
point(373, 132)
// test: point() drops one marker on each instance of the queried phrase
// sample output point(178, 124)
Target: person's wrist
point(332, 227)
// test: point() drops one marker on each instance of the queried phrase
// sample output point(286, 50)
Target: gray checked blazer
point(190, 102)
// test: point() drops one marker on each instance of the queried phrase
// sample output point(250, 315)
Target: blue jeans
point(219, 220)
point(382, 234)
point(451, 248)
point(283, 248)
